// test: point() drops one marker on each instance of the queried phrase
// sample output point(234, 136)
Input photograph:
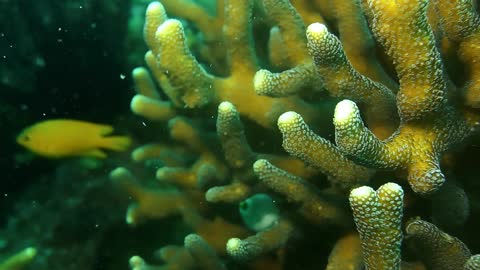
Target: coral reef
point(63, 221)
point(226, 97)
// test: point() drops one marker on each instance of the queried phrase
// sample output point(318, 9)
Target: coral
point(187, 83)
point(300, 141)
point(261, 243)
point(473, 263)
point(313, 206)
point(430, 122)
point(226, 97)
point(440, 250)
point(19, 260)
point(461, 25)
point(346, 254)
point(378, 216)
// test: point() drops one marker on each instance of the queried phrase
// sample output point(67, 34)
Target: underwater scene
point(240, 135)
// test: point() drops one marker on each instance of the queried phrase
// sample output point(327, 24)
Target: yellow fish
point(59, 138)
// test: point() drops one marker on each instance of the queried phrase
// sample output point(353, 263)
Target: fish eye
point(26, 138)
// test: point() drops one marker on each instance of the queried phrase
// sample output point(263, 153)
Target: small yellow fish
point(59, 138)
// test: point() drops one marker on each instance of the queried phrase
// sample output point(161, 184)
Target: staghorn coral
point(20, 260)
point(401, 113)
point(378, 216)
point(430, 122)
point(346, 254)
point(440, 250)
point(473, 263)
point(263, 242)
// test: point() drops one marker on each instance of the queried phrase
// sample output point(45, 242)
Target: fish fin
point(97, 153)
point(116, 143)
point(105, 129)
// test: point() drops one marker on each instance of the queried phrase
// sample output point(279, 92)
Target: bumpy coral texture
point(228, 86)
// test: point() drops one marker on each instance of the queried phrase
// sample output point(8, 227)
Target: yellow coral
point(290, 79)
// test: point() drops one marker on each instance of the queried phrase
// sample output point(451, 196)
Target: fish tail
point(117, 143)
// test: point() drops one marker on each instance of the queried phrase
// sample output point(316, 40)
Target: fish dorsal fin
point(97, 153)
